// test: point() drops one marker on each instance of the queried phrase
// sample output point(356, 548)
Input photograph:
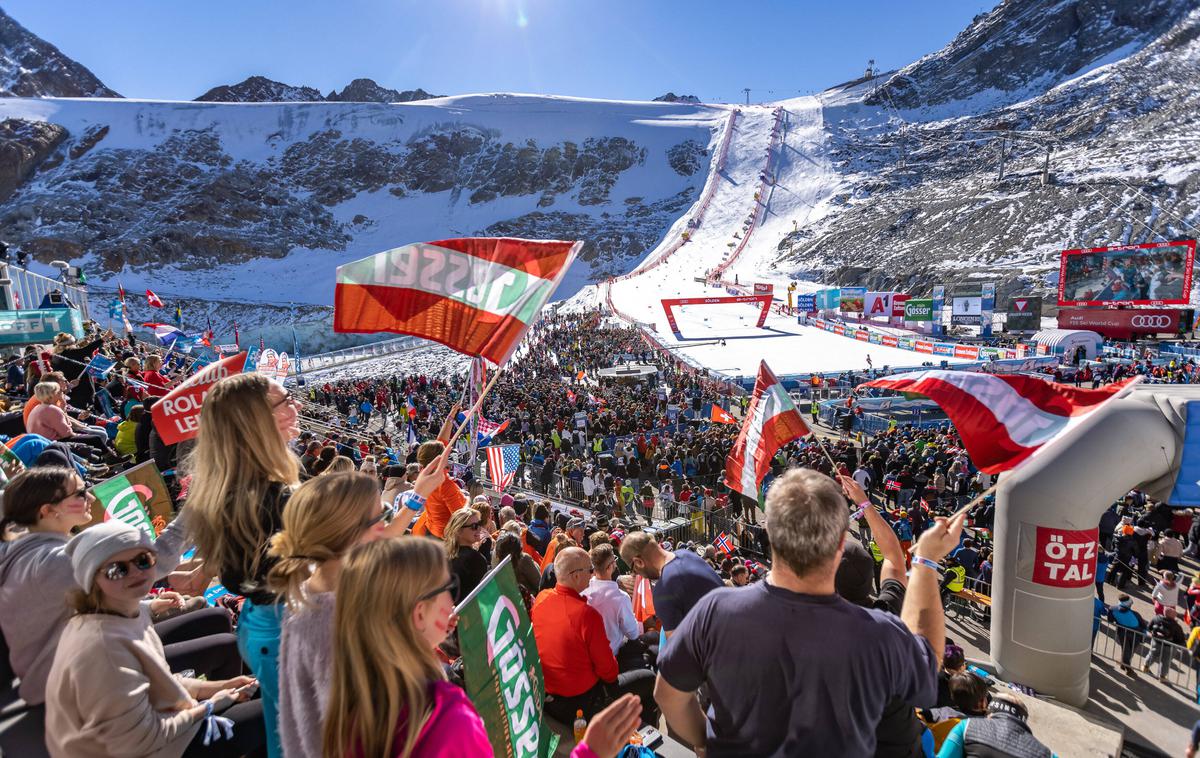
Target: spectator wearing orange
point(579, 667)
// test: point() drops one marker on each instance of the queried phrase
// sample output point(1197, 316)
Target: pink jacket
point(454, 730)
point(50, 421)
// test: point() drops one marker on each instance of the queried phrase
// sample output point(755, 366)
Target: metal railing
point(347, 355)
point(1172, 663)
point(29, 289)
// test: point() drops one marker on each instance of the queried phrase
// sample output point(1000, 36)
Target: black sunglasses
point(287, 398)
point(451, 586)
point(118, 570)
point(76, 493)
point(385, 515)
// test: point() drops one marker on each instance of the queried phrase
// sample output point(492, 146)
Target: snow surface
point(803, 184)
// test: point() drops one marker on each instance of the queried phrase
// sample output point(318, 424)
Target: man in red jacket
point(578, 665)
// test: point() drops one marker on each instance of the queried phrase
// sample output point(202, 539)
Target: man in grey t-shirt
point(791, 667)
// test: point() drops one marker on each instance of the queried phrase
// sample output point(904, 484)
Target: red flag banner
point(177, 415)
point(772, 421)
point(475, 295)
point(1002, 419)
point(153, 300)
point(720, 415)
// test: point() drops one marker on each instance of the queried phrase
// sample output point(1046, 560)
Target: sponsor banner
point(923, 346)
point(898, 301)
point(862, 335)
point(839, 329)
point(966, 351)
point(39, 325)
point(906, 343)
point(137, 496)
point(177, 415)
point(890, 341)
point(733, 291)
point(966, 309)
point(806, 303)
point(918, 310)
point(1121, 324)
point(227, 349)
point(943, 348)
point(1154, 273)
point(878, 304)
point(1024, 313)
point(1057, 557)
point(502, 673)
point(763, 289)
point(819, 323)
point(851, 300)
point(876, 339)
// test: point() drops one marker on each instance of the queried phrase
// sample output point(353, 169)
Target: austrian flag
point(475, 295)
point(1002, 419)
point(772, 421)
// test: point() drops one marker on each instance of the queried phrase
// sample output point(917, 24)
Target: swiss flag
point(153, 300)
point(719, 415)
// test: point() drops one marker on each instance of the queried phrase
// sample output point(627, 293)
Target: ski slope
point(779, 152)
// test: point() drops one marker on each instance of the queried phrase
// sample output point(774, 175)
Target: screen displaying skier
point(1157, 273)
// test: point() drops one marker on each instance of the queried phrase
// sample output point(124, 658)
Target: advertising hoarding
point(1024, 313)
point(966, 309)
point(878, 304)
point(898, 301)
point(38, 325)
point(918, 309)
point(852, 299)
point(1154, 273)
point(1123, 324)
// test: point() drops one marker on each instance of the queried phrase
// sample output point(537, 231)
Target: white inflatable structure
point(1047, 516)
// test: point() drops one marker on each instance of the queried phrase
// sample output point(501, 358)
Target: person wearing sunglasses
point(322, 521)
point(48, 503)
point(464, 532)
point(110, 690)
point(394, 608)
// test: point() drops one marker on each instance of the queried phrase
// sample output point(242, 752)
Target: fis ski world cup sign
point(501, 668)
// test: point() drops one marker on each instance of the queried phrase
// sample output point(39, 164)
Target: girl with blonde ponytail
point(323, 519)
point(390, 696)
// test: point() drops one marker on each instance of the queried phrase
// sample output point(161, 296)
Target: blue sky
point(622, 49)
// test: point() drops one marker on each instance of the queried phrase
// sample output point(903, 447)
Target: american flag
point(503, 461)
point(724, 543)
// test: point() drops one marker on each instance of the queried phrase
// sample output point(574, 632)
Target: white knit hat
point(92, 547)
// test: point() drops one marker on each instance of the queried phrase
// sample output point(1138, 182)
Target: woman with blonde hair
point(339, 465)
point(242, 476)
point(323, 520)
point(390, 696)
point(463, 533)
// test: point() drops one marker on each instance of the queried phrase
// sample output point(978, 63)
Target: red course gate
point(669, 304)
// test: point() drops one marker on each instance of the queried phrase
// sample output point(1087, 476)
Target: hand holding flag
point(771, 422)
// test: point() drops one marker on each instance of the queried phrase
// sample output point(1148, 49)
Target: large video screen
point(1156, 273)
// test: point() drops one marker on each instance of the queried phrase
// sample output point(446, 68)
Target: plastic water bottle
point(985, 676)
point(580, 726)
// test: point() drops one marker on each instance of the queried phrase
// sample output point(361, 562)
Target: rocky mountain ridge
point(259, 89)
point(32, 67)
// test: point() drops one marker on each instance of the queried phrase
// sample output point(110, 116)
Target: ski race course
point(769, 169)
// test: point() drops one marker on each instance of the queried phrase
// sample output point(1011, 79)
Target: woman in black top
point(242, 475)
point(463, 532)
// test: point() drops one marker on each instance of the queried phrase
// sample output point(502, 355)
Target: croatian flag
point(503, 461)
point(1002, 419)
point(1187, 484)
point(475, 295)
point(772, 421)
point(485, 430)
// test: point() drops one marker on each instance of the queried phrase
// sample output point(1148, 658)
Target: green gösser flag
point(123, 502)
point(501, 667)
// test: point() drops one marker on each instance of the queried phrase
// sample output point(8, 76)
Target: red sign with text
point(1065, 557)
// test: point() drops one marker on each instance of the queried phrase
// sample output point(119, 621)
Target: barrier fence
point(1171, 663)
point(335, 358)
point(30, 289)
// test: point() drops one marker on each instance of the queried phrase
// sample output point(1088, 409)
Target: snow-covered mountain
point(259, 89)
point(32, 67)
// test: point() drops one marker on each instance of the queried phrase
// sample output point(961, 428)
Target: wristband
point(862, 509)
point(410, 500)
point(919, 561)
point(208, 708)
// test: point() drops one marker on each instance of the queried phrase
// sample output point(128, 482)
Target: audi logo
point(1150, 321)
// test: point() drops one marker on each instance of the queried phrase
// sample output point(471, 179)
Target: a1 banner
point(878, 304)
point(177, 415)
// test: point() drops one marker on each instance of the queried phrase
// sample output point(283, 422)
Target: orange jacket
point(530, 550)
point(442, 502)
point(571, 642)
point(551, 549)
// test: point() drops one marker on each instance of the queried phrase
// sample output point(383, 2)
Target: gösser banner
point(1154, 273)
point(1123, 324)
point(918, 310)
point(177, 415)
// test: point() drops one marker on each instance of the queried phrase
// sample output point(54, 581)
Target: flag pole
point(474, 408)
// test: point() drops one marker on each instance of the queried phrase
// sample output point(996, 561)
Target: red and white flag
point(772, 421)
point(176, 415)
point(475, 295)
point(1002, 419)
point(153, 300)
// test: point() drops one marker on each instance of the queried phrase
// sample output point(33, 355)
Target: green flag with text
point(501, 667)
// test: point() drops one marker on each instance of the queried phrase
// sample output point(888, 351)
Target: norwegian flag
point(772, 421)
point(153, 300)
point(724, 543)
point(892, 485)
point(503, 461)
point(1003, 419)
